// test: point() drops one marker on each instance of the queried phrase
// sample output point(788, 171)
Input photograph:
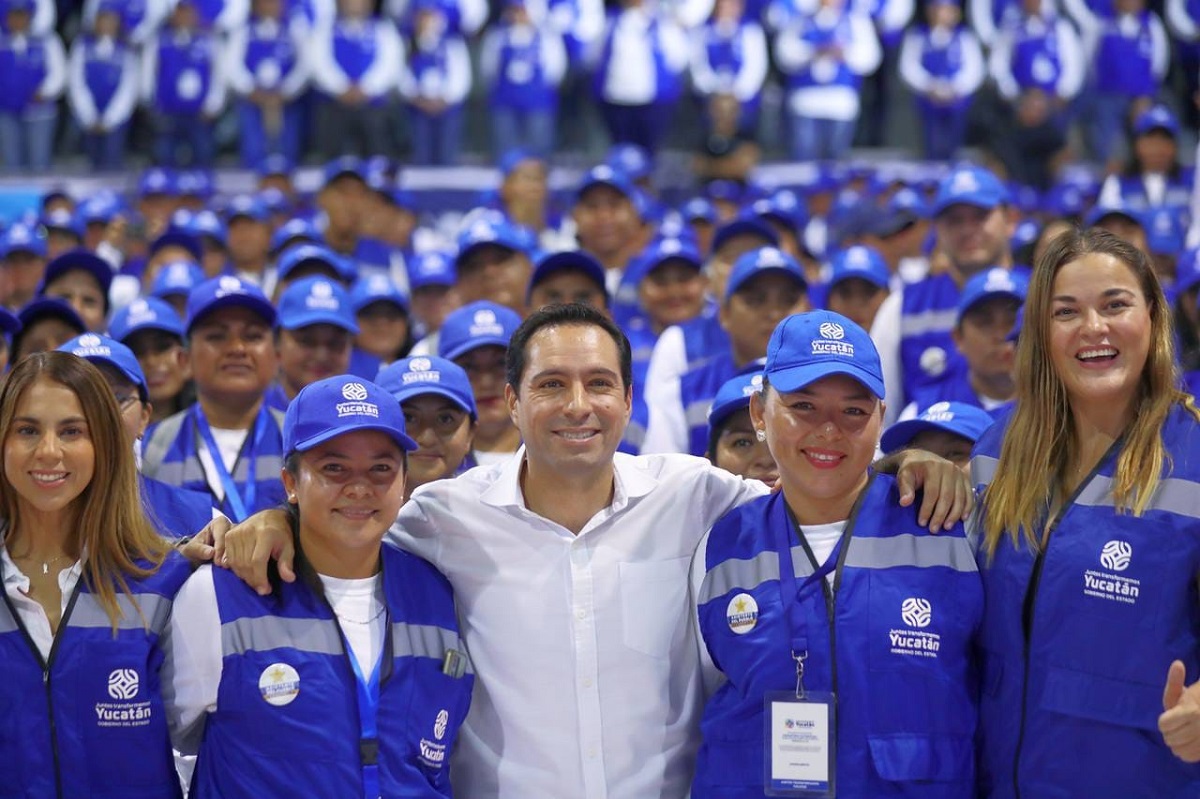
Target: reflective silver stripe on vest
point(88, 612)
point(158, 445)
point(928, 322)
point(1173, 495)
point(697, 413)
point(268, 467)
point(426, 641)
point(263, 633)
point(922, 551)
point(983, 470)
point(179, 473)
point(750, 574)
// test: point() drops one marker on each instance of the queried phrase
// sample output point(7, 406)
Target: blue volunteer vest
point(892, 639)
point(175, 512)
point(697, 387)
point(1036, 63)
point(22, 70)
point(725, 54)
point(521, 77)
point(185, 72)
point(955, 389)
point(942, 61)
point(430, 70)
point(1123, 65)
point(1178, 193)
point(270, 55)
point(819, 73)
point(310, 746)
point(354, 47)
point(702, 337)
point(91, 723)
point(1071, 708)
point(102, 70)
point(927, 353)
point(667, 85)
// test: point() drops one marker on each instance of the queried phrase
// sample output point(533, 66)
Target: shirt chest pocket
point(653, 604)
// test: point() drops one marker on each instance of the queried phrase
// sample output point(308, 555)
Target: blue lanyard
point(368, 706)
point(238, 503)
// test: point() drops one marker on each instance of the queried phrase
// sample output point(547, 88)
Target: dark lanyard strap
point(790, 592)
point(239, 503)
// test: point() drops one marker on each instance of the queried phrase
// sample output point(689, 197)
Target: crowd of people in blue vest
point(296, 77)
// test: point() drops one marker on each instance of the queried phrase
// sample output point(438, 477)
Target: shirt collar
point(631, 482)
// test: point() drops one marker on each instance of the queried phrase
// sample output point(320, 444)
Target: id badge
point(800, 758)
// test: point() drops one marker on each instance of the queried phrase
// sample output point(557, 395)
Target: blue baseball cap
point(177, 278)
point(864, 263)
point(486, 231)
point(102, 349)
point(810, 346)
point(746, 224)
point(81, 260)
point(699, 209)
point(415, 377)
point(1157, 118)
point(732, 396)
point(293, 229)
point(1026, 233)
point(343, 404)
point(22, 238)
point(157, 180)
point(756, 262)
point(568, 261)
point(316, 301)
point(275, 164)
point(207, 223)
point(514, 158)
point(667, 249)
point(904, 208)
point(248, 206)
point(1064, 200)
point(631, 160)
point(226, 291)
point(62, 219)
point(293, 257)
point(145, 313)
point(195, 183)
point(370, 289)
point(783, 207)
point(970, 185)
point(475, 325)
point(345, 165)
point(995, 282)
point(605, 175)
point(957, 418)
point(177, 236)
point(100, 207)
point(432, 268)
point(1101, 211)
point(1164, 231)
point(274, 201)
point(49, 307)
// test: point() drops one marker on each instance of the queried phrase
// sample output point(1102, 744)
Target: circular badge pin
point(279, 684)
point(742, 614)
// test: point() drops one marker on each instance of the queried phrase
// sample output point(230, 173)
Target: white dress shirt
point(587, 673)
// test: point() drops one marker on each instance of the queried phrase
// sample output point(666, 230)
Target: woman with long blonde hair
point(88, 587)
point(1090, 541)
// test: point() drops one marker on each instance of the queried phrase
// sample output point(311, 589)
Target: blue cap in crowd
point(294, 257)
point(957, 418)
point(145, 313)
point(274, 201)
point(345, 165)
point(970, 185)
point(904, 208)
point(568, 261)
point(756, 262)
point(50, 308)
point(1025, 233)
point(864, 263)
point(1102, 211)
point(248, 206)
point(177, 279)
point(22, 238)
point(475, 325)
point(83, 261)
point(630, 160)
point(1064, 200)
point(1157, 118)
point(157, 180)
point(699, 209)
point(344, 404)
point(605, 175)
point(810, 346)
point(304, 230)
point(177, 236)
point(275, 164)
point(102, 349)
point(421, 375)
point(1164, 231)
point(745, 224)
point(514, 158)
point(995, 282)
point(490, 230)
point(432, 268)
point(207, 223)
point(62, 219)
point(664, 250)
point(370, 289)
point(732, 397)
point(101, 207)
point(227, 291)
point(195, 183)
point(316, 301)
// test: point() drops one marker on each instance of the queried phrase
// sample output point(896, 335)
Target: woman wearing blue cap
point(732, 444)
point(350, 681)
point(835, 629)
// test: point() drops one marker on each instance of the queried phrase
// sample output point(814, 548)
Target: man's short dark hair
point(573, 313)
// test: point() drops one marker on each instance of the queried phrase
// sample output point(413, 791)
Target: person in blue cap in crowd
point(157, 197)
point(314, 333)
point(607, 221)
point(764, 287)
point(732, 443)
point(568, 276)
point(729, 58)
point(268, 71)
point(248, 236)
point(63, 229)
point(175, 282)
point(102, 86)
point(366, 698)
point(434, 84)
point(439, 414)
point(524, 197)
point(1153, 177)
point(824, 57)
point(431, 279)
point(784, 211)
point(210, 230)
point(899, 234)
point(23, 262)
point(1121, 221)
point(1164, 243)
point(1129, 54)
point(153, 331)
point(859, 282)
point(46, 324)
point(475, 338)
point(183, 85)
point(834, 556)
point(33, 73)
point(637, 73)
point(355, 64)
point(385, 330)
point(275, 172)
point(700, 217)
point(307, 260)
point(984, 320)
point(947, 429)
point(942, 63)
point(9, 326)
point(175, 512)
point(229, 442)
point(297, 230)
point(196, 186)
point(523, 62)
point(81, 279)
point(345, 201)
point(493, 264)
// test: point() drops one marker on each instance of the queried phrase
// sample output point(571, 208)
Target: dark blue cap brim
point(317, 318)
point(901, 434)
point(256, 304)
point(794, 378)
point(423, 389)
point(474, 344)
point(402, 439)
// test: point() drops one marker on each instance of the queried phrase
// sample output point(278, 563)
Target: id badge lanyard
point(800, 724)
point(367, 690)
point(239, 503)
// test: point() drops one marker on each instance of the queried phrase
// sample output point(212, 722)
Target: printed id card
point(800, 744)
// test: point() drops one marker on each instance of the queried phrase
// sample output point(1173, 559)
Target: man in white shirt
point(569, 564)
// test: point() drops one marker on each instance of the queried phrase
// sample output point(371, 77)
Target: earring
point(761, 435)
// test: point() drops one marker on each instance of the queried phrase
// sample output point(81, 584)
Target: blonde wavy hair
point(110, 523)
point(1040, 442)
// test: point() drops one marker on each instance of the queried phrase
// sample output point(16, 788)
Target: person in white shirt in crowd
point(1039, 49)
point(729, 57)
point(435, 84)
point(574, 612)
point(139, 18)
point(33, 73)
point(465, 17)
point(102, 86)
